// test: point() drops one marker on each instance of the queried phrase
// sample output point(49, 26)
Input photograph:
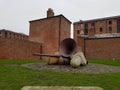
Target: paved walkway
point(90, 68)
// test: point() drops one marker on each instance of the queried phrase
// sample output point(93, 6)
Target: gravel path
point(90, 68)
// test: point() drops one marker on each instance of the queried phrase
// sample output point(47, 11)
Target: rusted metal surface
point(46, 55)
point(68, 47)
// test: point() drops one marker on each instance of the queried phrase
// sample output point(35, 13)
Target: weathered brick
point(103, 48)
point(18, 49)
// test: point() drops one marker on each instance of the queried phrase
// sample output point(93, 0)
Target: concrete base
point(59, 88)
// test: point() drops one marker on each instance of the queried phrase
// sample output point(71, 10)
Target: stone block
point(60, 88)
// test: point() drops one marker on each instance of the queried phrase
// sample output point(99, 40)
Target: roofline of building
point(51, 17)
point(13, 32)
point(99, 19)
point(100, 37)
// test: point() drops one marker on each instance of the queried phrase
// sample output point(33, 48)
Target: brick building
point(50, 31)
point(97, 27)
point(99, 38)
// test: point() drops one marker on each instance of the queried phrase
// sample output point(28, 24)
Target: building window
point(6, 35)
point(93, 25)
point(101, 29)
point(17, 36)
point(110, 22)
point(9, 35)
point(78, 26)
point(78, 31)
point(100, 24)
point(118, 26)
point(86, 25)
point(81, 25)
point(0, 34)
point(86, 29)
point(14, 34)
point(110, 29)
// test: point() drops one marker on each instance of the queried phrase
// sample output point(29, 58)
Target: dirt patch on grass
point(90, 68)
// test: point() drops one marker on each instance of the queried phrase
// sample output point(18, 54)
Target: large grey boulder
point(78, 59)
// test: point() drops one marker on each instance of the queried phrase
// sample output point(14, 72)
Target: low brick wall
point(102, 48)
point(18, 49)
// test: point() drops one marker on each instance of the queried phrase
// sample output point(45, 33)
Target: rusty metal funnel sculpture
point(67, 54)
point(67, 47)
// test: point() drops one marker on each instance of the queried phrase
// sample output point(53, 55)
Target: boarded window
point(86, 29)
point(78, 31)
point(110, 29)
point(110, 22)
point(118, 26)
point(6, 35)
point(0, 34)
point(101, 29)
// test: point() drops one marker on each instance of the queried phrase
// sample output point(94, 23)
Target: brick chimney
point(50, 12)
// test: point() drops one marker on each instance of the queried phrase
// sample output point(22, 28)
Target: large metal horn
point(68, 47)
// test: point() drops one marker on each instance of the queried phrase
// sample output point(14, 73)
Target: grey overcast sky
point(15, 14)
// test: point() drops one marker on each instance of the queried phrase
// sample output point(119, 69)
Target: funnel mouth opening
point(68, 47)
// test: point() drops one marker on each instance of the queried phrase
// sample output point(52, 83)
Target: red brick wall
point(18, 49)
point(76, 28)
point(114, 26)
point(105, 26)
point(12, 35)
point(47, 32)
point(65, 29)
point(103, 48)
point(97, 26)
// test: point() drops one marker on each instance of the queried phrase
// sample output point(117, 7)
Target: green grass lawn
point(15, 77)
point(106, 62)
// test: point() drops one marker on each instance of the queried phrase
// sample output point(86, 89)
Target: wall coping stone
point(61, 88)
